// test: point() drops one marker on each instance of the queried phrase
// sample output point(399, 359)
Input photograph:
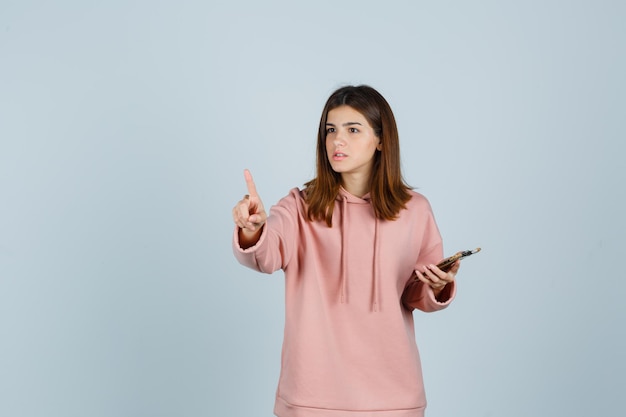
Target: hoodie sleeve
point(418, 295)
point(277, 241)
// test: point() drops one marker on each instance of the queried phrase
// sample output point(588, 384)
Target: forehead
point(345, 114)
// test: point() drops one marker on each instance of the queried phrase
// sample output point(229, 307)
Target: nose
point(338, 139)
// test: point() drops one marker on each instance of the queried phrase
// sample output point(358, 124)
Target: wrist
point(442, 294)
point(248, 238)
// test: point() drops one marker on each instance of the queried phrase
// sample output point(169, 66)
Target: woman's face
point(350, 142)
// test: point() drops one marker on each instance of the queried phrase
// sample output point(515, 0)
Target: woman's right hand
point(249, 214)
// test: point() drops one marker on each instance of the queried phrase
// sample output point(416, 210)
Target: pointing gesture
point(249, 214)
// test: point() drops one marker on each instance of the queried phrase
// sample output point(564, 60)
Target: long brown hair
point(388, 191)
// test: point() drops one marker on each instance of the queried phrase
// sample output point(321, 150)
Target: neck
point(355, 185)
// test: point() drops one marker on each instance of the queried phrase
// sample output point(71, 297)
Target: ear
point(379, 146)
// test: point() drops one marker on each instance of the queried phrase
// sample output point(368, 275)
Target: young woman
point(358, 248)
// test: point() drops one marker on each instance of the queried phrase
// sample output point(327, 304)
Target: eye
point(330, 130)
point(353, 130)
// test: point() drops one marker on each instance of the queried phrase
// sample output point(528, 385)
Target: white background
point(124, 130)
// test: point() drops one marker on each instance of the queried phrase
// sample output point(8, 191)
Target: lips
point(338, 156)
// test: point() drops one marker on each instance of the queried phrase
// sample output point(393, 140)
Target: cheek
point(329, 145)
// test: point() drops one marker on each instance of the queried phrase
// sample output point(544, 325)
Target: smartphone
point(447, 263)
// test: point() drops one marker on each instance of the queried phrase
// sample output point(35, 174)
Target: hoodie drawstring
point(344, 246)
point(376, 266)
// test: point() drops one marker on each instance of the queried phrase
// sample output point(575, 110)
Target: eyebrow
point(345, 124)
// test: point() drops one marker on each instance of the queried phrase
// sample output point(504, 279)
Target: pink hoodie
point(349, 344)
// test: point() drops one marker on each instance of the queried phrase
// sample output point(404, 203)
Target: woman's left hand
point(436, 278)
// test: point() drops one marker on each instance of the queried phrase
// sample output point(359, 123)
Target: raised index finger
point(250, 183)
